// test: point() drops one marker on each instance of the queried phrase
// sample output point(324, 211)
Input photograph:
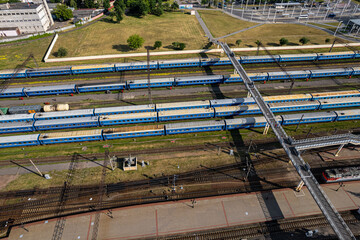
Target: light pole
point(326, 13)
point(292, 14)
point(268, 14)
point(232, 7)
point(318, 10)
point(264, 7)
point(252, 14)
point(274, 16)
point(337, 27)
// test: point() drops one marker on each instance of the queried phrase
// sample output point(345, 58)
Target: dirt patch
point(6, 179)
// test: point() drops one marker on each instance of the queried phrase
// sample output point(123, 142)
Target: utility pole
point(148, 74)
point(40, 173)
point(299, 122)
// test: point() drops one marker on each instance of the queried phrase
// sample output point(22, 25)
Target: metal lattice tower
point(101, 193)
point(60, 223)
point(332, 215)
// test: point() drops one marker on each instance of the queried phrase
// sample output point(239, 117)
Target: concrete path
point(161, 219)
point(242, 30)
point(203, 25)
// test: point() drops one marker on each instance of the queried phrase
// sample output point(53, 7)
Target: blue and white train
point(163, 64)
point(172, 128)
point(178, 81)
point(157, 113)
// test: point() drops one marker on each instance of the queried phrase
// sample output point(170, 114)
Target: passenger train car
point(172, 128)
point(163, 64)
point(178, 81)
point(169, 112)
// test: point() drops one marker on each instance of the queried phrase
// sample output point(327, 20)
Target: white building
point(27, 17)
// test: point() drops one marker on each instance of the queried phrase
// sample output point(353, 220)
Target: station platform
point(161, 219)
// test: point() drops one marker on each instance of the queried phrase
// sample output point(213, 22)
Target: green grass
point(221, 24)
point(106, 37)
point(270, 34)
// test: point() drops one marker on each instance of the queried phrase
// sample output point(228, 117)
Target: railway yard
point(208, 166)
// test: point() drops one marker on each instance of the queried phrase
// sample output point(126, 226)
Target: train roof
point(232, 101)
point(49, 88)
point(12, 90)
point(9, 71)
point(66, 121)
point(256, 74)
point(185, 111)
point(248, 120)
point(202, 77)
point(134, 129)
point(16, 124)
point(57, 135)
point(17, 116)
point(332, 70)
point(135, 63)
point(128, 116)
point(183, 104)
point(194, 124)
point(237, 108)
point(356, 68)
point(339, 100)
point(294, 104)
point(79, 86)
point(348, 112)
point(334, 53)
point(287, 97)
point(19, 138)
point(179, 61)
point(92, 66)
point(299, 55)
point(125, 108)
point(339, 93)
point(290, 73)
point(155, 80)
point(259, 57)
point(64, 113)
point(49, 69)
point(309, 115)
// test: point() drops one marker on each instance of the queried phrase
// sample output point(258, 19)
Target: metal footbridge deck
point(331, 214)
point(319, 142)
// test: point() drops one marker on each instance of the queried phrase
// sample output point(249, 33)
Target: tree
point(106, 4)
point(73, 4)
point(178, 45)
point(258, 43)
point(62, 12)
point(89, 4)
point(166, 6)
point(138, 7)
point(174, 6)
point(120, 5)
point(182, 46)
point(283, 41)
point(118, 14)
point(304, 40)
point(135, 41)
point(327, 40)
point(158, 11)
point(157, 44)
point(204, 2)
point(238, 42)
point(62, 52)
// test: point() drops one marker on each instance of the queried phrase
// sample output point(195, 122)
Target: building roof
point(14, 6)
point(355, 21)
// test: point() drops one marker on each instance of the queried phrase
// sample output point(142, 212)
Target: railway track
point(261, 229)
point(178, 72)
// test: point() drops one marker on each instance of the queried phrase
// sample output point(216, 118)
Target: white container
point(62, 107)
point(49, 108)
